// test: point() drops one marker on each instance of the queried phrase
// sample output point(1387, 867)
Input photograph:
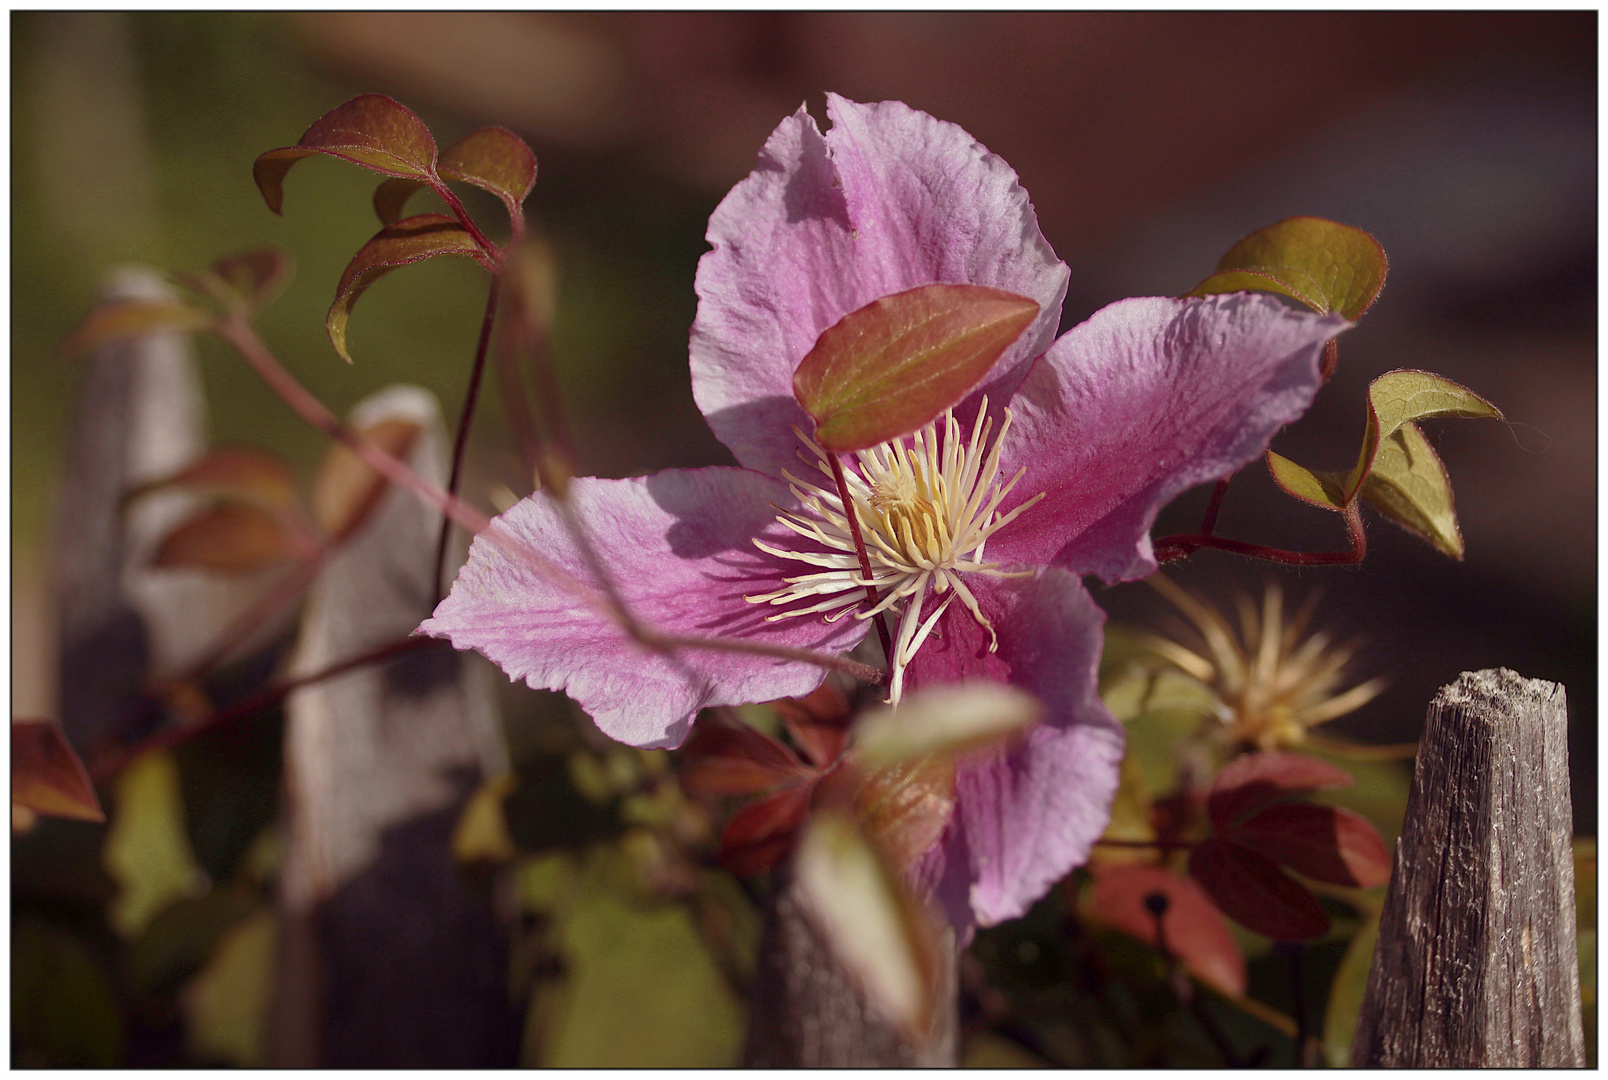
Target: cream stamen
point(926, 509)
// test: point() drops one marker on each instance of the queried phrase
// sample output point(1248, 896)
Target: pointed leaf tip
point(1322, 264)
point(46, 775)
point(944, 719)
point(890, 367)
point(411, 240)
point(372, 130)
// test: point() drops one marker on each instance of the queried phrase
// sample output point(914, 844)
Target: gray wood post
point(389, 958)
point(1476, 962)
point(808, 1013)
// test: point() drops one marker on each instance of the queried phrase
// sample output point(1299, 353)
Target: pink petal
point(887, 200)
point(1150, 397)
point(1025, 815)
point(678, 545)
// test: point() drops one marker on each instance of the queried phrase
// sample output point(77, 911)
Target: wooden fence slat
point(1476, 962)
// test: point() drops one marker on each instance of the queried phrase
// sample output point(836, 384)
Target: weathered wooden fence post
point(1476, 963)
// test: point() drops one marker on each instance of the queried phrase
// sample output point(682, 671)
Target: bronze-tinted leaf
point(1253, 781)
point(1322, 264)
point(346, 490)
point(1195, 930)
point(372, 131)
point(240, 473)
point(495, 159)
point(1325, 843)
point(47, 777)
point(392, 196)
point(818, 722)
point(1409, 485)
point(229, 537)
point(1250, 888)
point(763, 831)
point(888, 368)
point(132, 318)
point(904, 808)
point(734, 759)
point(411, 240)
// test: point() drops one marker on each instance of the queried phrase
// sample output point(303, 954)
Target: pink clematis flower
point(978, 526)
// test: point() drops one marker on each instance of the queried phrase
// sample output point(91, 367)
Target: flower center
point(926, 507)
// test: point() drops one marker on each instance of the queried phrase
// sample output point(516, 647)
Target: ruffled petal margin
point(888, 199)
point(1025, 815)
point(679, 547)
point(1146, 399)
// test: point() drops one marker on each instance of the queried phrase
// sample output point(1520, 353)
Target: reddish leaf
point(893, 365)
point(1251, 781)
point(1250, 888)
point(411, 240)
point(492, 158)
point(1195, 930)
point(47, 777)
point(236, 472)
point(760, 833)
point(495, 159)
point(818, 723)
point(905, 808)
point(347, 490)
point(1325, 843)
point(229, 537)
point(131, 318)
point(733, 759)
point(392, 196)
point(372, 131)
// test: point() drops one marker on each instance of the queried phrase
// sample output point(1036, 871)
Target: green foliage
point(147, 851)
point(1322, 264)
point(63, 1012)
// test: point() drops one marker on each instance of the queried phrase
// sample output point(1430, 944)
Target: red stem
point(1209, 521)
point(455, 204)
point(859, 549)
point(1169, 548)
point(461, 442)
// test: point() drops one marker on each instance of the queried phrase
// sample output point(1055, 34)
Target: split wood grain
point(1476, 962)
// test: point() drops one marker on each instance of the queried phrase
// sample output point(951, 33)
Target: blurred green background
point(1465, 142)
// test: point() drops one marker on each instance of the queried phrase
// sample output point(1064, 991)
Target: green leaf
point(1322, 264)
point(46, 775)
point(1346, 994)
point(1397, 397)
point(642, 991)
point(414, 239)
point(147, 851)
point(880, 935)
point(1317, 488)
point(1408, 485)
point(227, 1003)
point(482, 829)
point(946, 719)
point(181, 937)
point(132, 318)
point(495, 159)
point(372, 131)
point(893, 365)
